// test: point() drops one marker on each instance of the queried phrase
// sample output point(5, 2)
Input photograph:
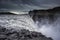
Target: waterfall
point(50, 28)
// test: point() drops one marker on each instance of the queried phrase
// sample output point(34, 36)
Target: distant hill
point(6, 13)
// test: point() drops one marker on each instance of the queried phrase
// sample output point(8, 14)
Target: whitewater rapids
point(17, 22)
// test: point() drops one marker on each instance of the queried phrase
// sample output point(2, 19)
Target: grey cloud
point(26, 5)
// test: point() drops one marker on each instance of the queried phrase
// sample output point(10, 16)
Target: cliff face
point(12, 34)
point(50, 13)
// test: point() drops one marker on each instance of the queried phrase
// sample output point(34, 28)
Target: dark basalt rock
point(12, 34)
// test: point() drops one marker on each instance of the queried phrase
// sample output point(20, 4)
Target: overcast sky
point(26, 5)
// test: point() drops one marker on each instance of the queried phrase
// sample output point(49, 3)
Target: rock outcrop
point(49, 13)
point(12, 34)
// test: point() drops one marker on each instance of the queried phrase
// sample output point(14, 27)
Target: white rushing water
point(17, 22)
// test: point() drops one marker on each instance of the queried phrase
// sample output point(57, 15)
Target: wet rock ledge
point(12, 34)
